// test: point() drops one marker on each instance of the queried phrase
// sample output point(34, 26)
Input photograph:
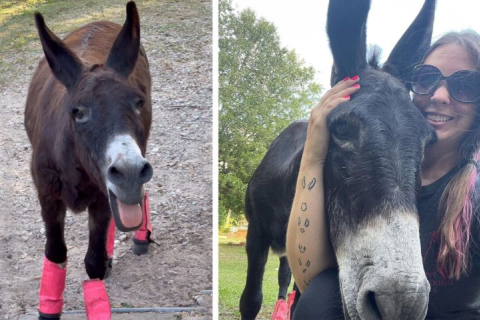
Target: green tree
point(263, 88)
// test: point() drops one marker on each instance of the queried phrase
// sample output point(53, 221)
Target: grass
point(232, 275)
point(18, 35)
point(17, 24)
point(19, 44)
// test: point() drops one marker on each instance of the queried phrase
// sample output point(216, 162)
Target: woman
point(447, 91)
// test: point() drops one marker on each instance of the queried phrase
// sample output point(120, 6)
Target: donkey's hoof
point(109, 267)
point(140, 247)
point(47, 317)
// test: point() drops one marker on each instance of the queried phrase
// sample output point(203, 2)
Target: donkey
point(371, 177)
point(88, 116)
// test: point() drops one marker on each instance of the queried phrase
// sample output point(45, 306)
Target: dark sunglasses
point(463, 85)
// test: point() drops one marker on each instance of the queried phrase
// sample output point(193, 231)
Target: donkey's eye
point(345, 135)
point(340, 130)
point(81, 114)
point(139, 103)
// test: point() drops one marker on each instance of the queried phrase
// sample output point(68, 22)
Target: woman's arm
point(309, 250)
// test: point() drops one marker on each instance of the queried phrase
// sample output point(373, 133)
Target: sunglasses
point(463, 85)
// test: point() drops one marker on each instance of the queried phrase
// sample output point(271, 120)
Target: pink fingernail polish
point(347, 97)
point(355, 78)
point(356, 86)
point(346, 78)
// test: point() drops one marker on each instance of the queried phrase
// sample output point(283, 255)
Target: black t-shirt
point(449, 298)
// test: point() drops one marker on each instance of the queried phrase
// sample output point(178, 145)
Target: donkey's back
point(272, 187)
point(92, 42)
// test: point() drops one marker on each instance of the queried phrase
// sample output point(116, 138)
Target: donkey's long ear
point(346, 29)
point(125, 49)
point(413, 45)
point(64, 64)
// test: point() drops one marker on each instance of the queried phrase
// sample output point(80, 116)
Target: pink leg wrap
point(280, 311)
point(111, 238)
point(282, 308)
point(97, 305)
point(290, 301)
point(52, 286)
point(143, 233)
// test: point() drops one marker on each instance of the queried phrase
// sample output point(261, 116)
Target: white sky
point(301, 24)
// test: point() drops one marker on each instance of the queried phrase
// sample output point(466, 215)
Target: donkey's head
point(373, 170)
point(109, 114)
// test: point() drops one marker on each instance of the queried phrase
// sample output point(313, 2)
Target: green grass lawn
point(232, 275)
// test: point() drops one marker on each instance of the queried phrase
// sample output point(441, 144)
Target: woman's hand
point(317, 133)
point(309, 250)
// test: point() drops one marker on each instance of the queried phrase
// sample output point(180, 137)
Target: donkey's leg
point(52, 283)
point(284, 278)
point(141, 237)
point(110, 246)
point(281, 311)
point(97, 304)
point(53, 214)
point(257, 253)
point(96, 259)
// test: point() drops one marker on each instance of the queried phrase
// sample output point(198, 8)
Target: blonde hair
point(456, 207)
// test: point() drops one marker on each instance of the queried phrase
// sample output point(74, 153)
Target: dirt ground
point(177, 36)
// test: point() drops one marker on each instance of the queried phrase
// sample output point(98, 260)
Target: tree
point(263, 87)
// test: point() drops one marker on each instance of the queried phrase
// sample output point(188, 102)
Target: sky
point(301, 24)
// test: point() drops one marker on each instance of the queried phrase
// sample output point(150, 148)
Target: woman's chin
point(447, 140)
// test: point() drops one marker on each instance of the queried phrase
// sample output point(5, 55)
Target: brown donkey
point(88, 117)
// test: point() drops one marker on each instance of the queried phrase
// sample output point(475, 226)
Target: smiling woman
point(449, 105)
point(453, 109)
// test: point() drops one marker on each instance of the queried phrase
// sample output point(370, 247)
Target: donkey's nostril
point(372, 303)
point(381, 304)
point(146, 173)
point(115, 176)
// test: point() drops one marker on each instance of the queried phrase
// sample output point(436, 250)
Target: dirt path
point(177, 39)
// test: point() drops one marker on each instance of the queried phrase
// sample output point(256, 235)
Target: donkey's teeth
point(131, 215)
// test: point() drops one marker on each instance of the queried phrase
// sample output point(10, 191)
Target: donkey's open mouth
point(127, 217)
point(126, 173)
